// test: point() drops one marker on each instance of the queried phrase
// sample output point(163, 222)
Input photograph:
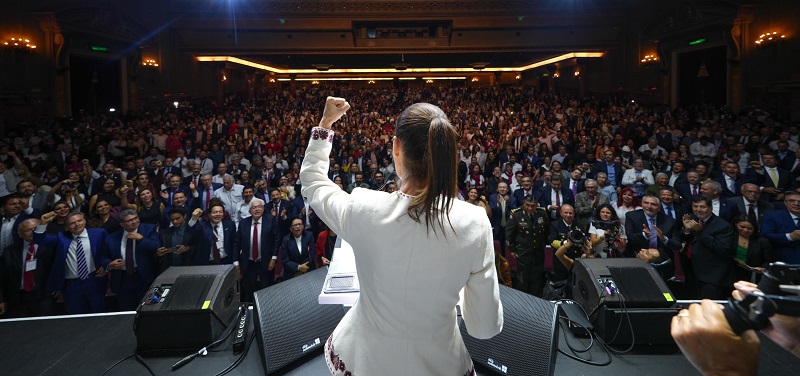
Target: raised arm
point(333, 203)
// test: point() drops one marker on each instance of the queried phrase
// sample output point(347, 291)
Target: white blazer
point(404, 322)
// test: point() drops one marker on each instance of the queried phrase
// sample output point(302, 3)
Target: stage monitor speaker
point(613, 282)
point(291, 325)
point(527, 345)
point(187, 307)
point(647, 326)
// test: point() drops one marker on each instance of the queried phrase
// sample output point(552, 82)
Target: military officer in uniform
point(526, 232)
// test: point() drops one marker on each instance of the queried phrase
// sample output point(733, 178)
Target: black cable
point(204, 351)
point(588, 332)
point(142, 362)
point(117, 363)
point(591, 336)
point(243, 354)
point(626, 315)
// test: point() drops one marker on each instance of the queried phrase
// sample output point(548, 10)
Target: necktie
point(27, 278)
point(208, 197)
point(797, 221)
point(214, 247)
point(80, 255)
point(129, 265)
point(574, 189)
point(254, 254)
point(653, 235)
point(751, 214)
point(558, 199)
point(669, 212)
point(195, 181)
point(502, 200)
point(731, 185)
point(694, 190)
point(171, 192)
point(774, 175)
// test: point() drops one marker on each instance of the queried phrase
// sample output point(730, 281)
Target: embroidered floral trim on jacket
point(319, 133)
point(334, 362)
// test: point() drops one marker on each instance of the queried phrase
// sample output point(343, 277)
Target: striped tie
point(83, 268)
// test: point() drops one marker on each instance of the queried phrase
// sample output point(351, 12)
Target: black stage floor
point(88, 345)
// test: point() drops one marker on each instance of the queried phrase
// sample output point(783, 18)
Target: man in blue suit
point(174, 186)
point(613, 169)
point(783, 231)
point(256, 261)
point(218, 235)
point(129, 256)
point(77, 270)
point(297, 250)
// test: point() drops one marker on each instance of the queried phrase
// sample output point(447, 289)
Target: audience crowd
point(99, 206)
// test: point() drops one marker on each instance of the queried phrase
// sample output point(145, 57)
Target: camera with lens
point(576, 238)
point(613, 230)
point(753, 312)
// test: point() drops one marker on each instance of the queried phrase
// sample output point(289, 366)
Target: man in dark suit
point(711, 241)
point(782, 228)
point(689, 189)
point(750, 204)
point(202, 195)
point(31, 197)
point(218, 236)
point(179, 243)
point(12, 217)
point(501, 204)
point(554, 196)
point(614, 170)
point(731, 181)
point(774, 180)
point(173, 186)
point(526, 188)
point(24, 268)
point(78, 271)
point(281, 210)
point(179, 201)
point(129, 254)
point(297, 250)
point(720, 207)
point(677, 173)
point(255, 260)
point(194, 178)
point(648, 227)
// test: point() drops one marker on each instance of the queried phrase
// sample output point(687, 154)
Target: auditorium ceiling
point(350, 34)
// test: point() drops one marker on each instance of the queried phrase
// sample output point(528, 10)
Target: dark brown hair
point(430, 157)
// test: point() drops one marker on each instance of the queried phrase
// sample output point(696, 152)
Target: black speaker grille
point(291, 323)
point(189, 292)
point(527, 344)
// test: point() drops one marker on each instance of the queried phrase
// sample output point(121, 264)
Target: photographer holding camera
point(606, 232)
point(560, 231)
point(704, 335)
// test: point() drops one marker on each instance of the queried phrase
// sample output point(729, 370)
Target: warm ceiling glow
point(236, 60)
point(769, 38)
point(649, 59)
